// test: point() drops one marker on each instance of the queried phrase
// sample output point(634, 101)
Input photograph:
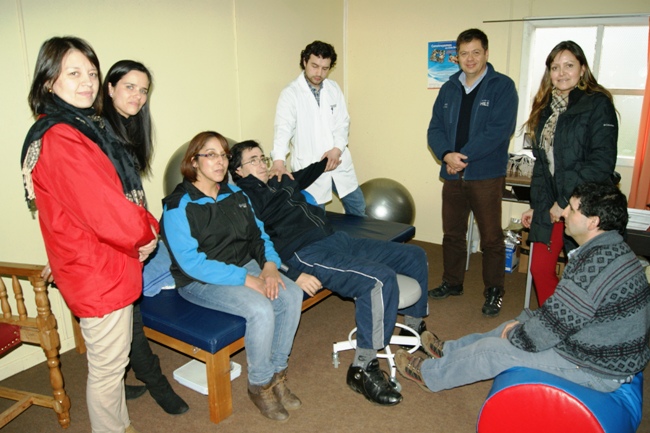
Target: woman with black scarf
point(125, 93)
point(90, 203)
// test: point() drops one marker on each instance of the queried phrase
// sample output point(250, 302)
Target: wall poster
point(442, 62)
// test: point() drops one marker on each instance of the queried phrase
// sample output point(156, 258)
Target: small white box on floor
point(512, 258)
point(193, 375)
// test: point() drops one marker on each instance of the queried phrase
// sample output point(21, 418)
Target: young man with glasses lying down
point(363, 269)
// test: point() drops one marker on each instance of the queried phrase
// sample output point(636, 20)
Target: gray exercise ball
point(388, 200)
point(173, 170)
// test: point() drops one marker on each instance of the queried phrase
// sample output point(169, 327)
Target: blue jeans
point(353, 203)
point(478, 357)
point(270, 325)
point(365, 270)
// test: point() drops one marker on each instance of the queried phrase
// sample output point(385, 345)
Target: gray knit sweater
point(599, 316)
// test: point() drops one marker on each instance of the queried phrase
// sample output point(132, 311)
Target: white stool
point(409, 293)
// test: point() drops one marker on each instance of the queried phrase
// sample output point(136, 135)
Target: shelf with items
point(517, 189)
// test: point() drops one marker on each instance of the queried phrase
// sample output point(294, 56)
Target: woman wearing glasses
point(222, 259)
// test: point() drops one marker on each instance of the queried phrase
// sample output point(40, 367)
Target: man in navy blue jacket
point(316, 256)
point(473, 118)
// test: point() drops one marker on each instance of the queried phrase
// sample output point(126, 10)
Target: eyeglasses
point(212, 156)
point(257, 160)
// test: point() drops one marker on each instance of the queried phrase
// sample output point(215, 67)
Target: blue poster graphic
point(442, 62)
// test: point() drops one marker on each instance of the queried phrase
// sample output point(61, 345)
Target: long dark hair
point(48, 69)
point(137, 133)
point(587, 83)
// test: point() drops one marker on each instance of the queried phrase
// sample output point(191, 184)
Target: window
point(616, 49)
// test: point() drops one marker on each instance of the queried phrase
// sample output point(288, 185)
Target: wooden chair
point(38, 329)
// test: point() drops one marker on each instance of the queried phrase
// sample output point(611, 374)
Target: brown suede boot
point(283, 393)
point(264, 398)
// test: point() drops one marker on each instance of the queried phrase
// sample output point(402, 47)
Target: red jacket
point(91, 231)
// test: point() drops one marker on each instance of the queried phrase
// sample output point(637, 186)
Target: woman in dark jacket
point(222, 259)
point(126, 107)
point(574, 130)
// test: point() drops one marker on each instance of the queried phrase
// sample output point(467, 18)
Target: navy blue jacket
point(290, 221)
point(493, 121)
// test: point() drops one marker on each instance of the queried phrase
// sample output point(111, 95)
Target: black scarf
point(97, 130)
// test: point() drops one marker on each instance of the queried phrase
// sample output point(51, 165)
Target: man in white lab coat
point(312, 122)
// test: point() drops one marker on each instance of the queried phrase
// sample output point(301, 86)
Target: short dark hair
point(48, 68)
point(196, 144)
point(138, 136)
point(604, 201)
point(469, 35)
point(236, 156)
point(318, 49)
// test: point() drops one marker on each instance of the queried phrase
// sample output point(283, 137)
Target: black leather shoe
point(493, 301)
point(131, 392)
point(445, 290)
point(373, 384)
point(420, 329)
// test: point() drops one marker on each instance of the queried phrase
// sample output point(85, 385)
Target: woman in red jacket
point(95, 228)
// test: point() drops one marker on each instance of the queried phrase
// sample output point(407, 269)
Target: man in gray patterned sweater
point(593, 330)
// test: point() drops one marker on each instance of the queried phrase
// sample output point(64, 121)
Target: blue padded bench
point(212, 336)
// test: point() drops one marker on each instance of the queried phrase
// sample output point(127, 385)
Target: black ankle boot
point(131, 392)
point(373, 384)
point(167, 399)
point(146, 366)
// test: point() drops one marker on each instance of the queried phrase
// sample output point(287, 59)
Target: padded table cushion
point(210, 330)
point(359, 227)
point(168, 313)
point(532, 401)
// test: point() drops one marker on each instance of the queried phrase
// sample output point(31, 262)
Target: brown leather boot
point(264, 398)
point(283, 393)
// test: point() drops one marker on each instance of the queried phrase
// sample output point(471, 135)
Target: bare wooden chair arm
point(40, 329)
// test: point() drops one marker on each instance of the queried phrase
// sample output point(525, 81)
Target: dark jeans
point(365, 270)
point(483, 197)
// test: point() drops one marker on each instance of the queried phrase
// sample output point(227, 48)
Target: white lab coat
point(308, 131)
